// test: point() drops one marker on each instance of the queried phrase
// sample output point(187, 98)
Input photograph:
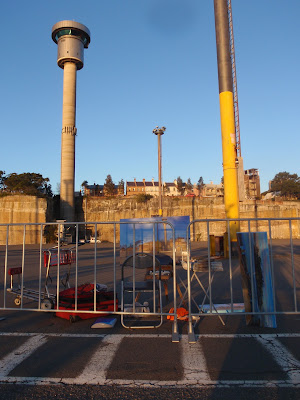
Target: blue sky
point(150, 62)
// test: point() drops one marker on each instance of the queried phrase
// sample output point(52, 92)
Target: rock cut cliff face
point(108, 210)
point(21, 209)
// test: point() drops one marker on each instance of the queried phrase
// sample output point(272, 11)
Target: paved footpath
point(151, 360)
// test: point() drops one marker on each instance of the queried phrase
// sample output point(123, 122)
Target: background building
point(252, 184)
point(212, 190)
point(135, 187)
point(99, 190)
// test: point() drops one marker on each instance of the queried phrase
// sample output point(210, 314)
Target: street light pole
point(159, 131)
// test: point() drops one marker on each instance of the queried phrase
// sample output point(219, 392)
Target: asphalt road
point(46, 357)
point(27, 392)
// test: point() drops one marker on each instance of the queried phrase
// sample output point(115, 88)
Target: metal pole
point(159, 131)
point(159, 175)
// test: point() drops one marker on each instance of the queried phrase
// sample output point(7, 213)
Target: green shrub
point(50, 233)
point(143, 197)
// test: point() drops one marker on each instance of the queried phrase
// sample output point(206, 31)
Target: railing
point(206, 279)
point(38, 277)
point(259, 277)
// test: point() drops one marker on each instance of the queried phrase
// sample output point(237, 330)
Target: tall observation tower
point(72, 38)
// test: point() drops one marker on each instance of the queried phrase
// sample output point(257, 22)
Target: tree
point(189, 186)
point(27, 183)
point(143, 197)
point(287, 184)
point(121, 187)
point(109, 186)
point(179, 185)
point(2, 177)
point(84, 186)
point(166, 188)
point(200, 185)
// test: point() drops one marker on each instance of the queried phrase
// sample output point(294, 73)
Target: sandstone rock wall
point(108, 210)
point(29, 209)
point(21, 209)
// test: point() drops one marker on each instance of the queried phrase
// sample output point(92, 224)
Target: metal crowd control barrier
point(206, 285)
point(284, 266)
point(95, 262)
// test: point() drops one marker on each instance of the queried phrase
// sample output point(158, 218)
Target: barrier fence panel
point(75, 277)
point(55, 267)
point(255, 274)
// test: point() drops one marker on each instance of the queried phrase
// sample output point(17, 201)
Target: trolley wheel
point(74, 318)
point(47, 304)
point(17, 301)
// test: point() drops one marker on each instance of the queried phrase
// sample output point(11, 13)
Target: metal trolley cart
point(52, 258)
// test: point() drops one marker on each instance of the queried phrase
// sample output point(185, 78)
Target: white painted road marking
point(283, 357)
point(96, 369)
point(193, 362)
point(9, 362)
point(157, 335)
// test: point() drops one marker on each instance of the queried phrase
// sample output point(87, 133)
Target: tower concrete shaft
point(71, 38)
point(67, 171)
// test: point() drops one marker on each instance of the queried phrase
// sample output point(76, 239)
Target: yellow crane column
point(230, 171)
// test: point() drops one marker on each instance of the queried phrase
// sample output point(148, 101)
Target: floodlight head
point(159, 131)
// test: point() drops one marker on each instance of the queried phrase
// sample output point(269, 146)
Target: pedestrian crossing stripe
point(195, 371)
